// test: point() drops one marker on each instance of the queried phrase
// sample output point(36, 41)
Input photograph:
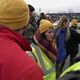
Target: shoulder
point(72, 31)
point(56, 32)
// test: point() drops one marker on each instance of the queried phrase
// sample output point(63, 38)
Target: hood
point(14, 36)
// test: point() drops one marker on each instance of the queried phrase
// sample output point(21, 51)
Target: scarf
point(48, 48)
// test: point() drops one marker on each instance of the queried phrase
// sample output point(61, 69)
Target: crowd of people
point(33, 49)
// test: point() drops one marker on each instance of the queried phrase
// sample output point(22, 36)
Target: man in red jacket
point(14, 63)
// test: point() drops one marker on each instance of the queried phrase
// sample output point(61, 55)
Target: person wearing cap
point(32, 26)
point(67, 40)
point(15, 64)
point(74, 24)
point(44, 49)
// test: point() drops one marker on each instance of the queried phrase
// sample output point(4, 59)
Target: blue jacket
point(61, 45)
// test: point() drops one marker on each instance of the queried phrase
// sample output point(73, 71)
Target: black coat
point(72, 42)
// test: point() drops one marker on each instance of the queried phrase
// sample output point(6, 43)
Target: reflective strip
point(50, 70)
point(45, 71)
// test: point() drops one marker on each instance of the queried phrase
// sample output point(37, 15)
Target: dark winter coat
point(72, 43)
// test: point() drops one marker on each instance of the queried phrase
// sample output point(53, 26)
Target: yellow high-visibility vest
point(44, 62)
point(74, 67)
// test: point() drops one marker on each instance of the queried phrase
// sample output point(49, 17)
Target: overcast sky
point(55, 5)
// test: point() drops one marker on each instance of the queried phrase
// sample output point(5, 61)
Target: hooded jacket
point(14, 63)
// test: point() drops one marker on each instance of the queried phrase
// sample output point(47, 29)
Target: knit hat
point(45, 25)
point(14, 13)
point(74, 22)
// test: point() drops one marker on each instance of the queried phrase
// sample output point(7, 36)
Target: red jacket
point(14, 63)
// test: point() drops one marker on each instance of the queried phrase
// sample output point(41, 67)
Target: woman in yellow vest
point(44, 49)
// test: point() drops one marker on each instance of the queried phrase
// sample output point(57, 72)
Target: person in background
point(78, 24)
point(74, 24)
point(42, 16)
point(15, 64)
point(72, 72)
point(48, 17)
point(32, 25)
point(44, 49)
point(61, 35)
point(67, 43)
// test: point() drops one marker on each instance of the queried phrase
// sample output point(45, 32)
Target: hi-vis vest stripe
point(45, 71)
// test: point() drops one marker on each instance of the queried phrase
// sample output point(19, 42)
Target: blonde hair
point(60, 25)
